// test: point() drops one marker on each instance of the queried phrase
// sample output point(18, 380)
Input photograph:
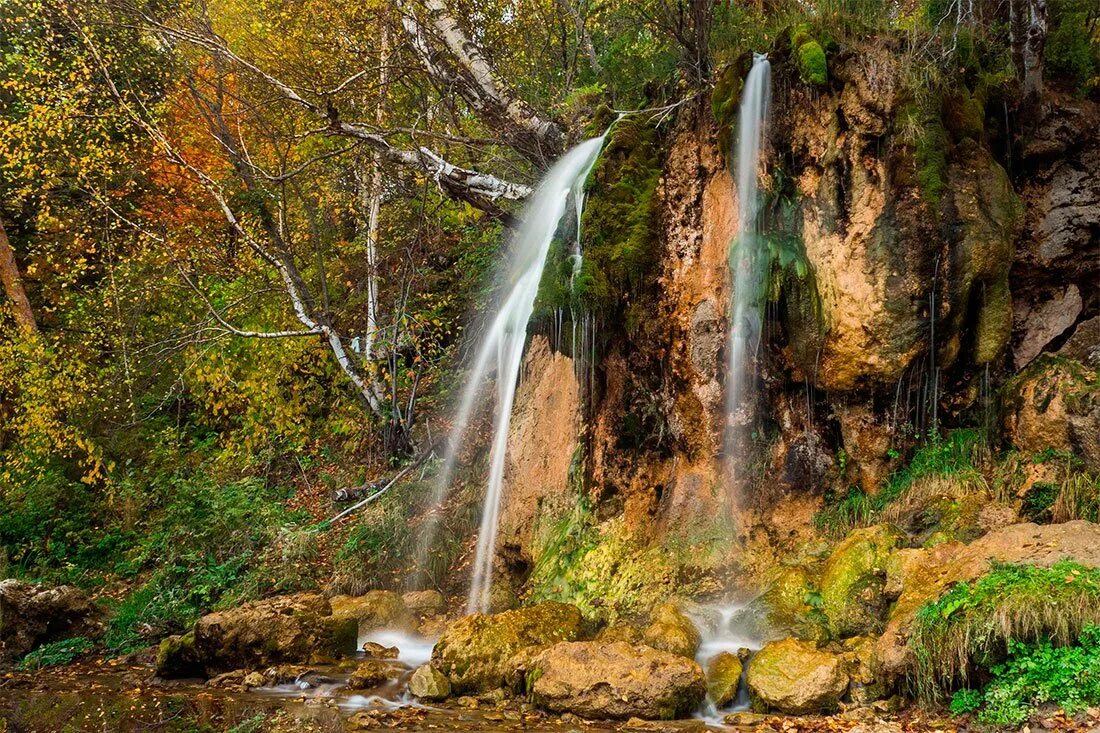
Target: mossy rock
point(723, 679)
point(964, 115)
point(672, 631)
point(428, 683)
point(853, 580)
point(812, 65)
point(177, 658)
point(795, 677)
point(475, 650)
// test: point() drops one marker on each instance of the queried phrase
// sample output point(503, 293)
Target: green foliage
point(954, 456)
point(1072, 50)
point(974, 625)
point(965, 701)
point(1035, 674)
point(376, 546)
point(56, 653)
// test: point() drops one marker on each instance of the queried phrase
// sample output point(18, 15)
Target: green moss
point(968, 629)
point(964, 114)
point(621, 237)
point(853, 579)
point(931, 156)
point(812, 66)
point(994, 325)
point(605, 572)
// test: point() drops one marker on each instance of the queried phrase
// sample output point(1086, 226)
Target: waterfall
point(501, 348)
point(748, 260)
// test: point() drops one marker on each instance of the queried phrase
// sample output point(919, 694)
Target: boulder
point(1055, 403)
point(474, 651)
point(865, 687)
point(853, 580)
point(783, 603)
point(370, 673)
point(921, 576)
point(424, 603)
point(428, 683)
point(32, 614)
point(795, 677)
point(723, 679)
point(295, 628)
point(615, 681)
point(672, 631)
point(378, 609)
point(620, 632)
point(374, 650)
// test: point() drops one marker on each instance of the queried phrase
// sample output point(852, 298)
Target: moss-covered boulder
point(615, 681)
point(423, 603)
point(428, 683)
point(723, 678)
point(672, 631)
point(1054, 404)
point(378, 609)
point(792, 676)
point(295, 628)
point(784, 604)
point(176, 657)
point(474, 651)
point(371, 673)
point(853, 580)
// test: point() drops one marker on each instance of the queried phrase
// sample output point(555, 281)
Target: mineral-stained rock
point(33, 614)
point(473, 652)
point(620, 632)
point(424, 603)
point(370, 673)
point(854, 578)
point(378, 609)
point(428, 683)
point(672, 631)
point(374, 650)
point(294, 628)
point(925, 575)
point(795, 677)
point(615, 681)
point(723, 679)
point(1055, 403)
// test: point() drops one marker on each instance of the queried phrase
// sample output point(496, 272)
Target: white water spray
point(747, 258)
point(501, 349)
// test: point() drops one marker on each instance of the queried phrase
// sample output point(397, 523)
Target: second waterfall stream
point(500, 350)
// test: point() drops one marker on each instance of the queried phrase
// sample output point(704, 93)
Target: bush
point(56, 653)
point(972, 628)
point(1071, 53)
point(1036, 674)
point(812, 67)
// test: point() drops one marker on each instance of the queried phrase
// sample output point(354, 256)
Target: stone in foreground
point(428, 683)
point(795, 677)
point(723, 679)
point(474, 651)
point(615, 681)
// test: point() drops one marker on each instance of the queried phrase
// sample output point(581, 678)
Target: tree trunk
point(1033, 41)
point(13, 285)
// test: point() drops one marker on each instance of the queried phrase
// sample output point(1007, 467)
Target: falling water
point(747, 257)
point(501, 350)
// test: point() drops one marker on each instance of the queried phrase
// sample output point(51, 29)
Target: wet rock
point(671, 630)
point(423, 603)
point(1043, 322)
point(378, 609)
point(282, 629)
point(368, 674)
point(374, 650)
point(795, 677)
point(177, 658)
point(284, 674)
point(253, 679)
point(615, 681)
point(234, 680)
point(723, 679)
point(1055, 403)
point(745, 719)
point(32, 614)
point(865, 687)
point(474, 651)
point(867, 440)
point(854, 579)
point(620, 632)
point(924, 575)
point(428, 683)
point(783, 603)
point(1083, 344)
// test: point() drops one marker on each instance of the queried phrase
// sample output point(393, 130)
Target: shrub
point(1036, 674)
point(812, 67)
point(56, 653)
point(971, 628)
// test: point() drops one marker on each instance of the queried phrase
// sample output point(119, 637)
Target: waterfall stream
point(500, 350)
point(748, 261)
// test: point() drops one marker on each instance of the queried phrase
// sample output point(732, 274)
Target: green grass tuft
point(56, 653)
point(971, 628)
